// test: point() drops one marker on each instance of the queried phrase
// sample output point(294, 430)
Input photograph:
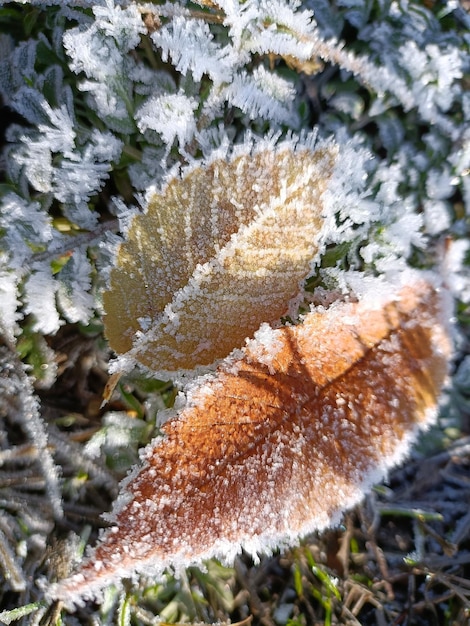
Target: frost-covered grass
point(106, 99)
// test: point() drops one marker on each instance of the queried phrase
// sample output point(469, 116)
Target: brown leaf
point(280, 441)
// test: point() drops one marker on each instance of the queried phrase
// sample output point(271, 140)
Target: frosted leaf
point(73, 294)
point(78, 212)
point(219, 251)
point(101, 51)
point(29, 103)
point(40, 294)
point(118, 431)
point(391, 131)
point(349, 103)
point(460, 159)
point(35, 153)
point(58, 134)
point(149, 169)
point(457, 275)
point(24, 224)
point(357, 12)
point(124, 25)
point(171, 115)
point(403, 233)
point(440, 184)
point(36, 162)
point(270, 27)
point(82, 173)
point(433, 72)
point(348, 197)
point(437, 216)
point(107, 102)
point(97, 49)
point(264, 453)
point(190, 45)
point(269, 41)
point(87, 4)
point(37, 147)
point(52, 162)
point(9, 302)
point(262, 94)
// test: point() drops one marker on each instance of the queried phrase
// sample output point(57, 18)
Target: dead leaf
point(219, 251)
point(279, 442)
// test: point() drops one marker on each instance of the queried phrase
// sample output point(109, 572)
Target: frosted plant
point(19, 403)
point(123, 101)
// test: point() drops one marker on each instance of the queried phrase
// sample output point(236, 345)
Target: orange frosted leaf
point(280, 440)
point(219, 251)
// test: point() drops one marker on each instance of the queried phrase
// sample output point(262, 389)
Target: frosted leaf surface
point(264, 453)
point(219, 251)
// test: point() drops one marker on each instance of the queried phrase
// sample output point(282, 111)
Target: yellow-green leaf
point(220, 250)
